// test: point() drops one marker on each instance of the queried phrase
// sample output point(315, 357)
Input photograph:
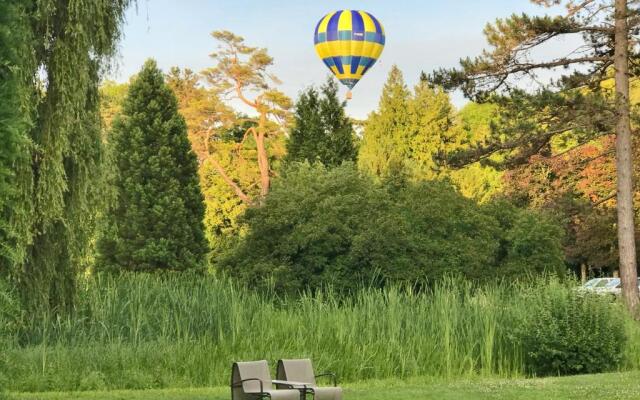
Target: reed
point(146, 331)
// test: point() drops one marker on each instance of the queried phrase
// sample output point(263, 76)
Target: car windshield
point(592, 282)
point(613, 283)
point(602, 283)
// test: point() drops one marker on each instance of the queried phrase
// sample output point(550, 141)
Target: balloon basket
point(349, 95)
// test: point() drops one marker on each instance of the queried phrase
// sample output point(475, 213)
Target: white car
point(616, 287)
point(596, 284)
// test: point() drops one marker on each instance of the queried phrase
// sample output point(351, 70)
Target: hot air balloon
point(349, 42)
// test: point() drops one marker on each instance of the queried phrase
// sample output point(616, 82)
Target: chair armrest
point(239, 383)
point(332, 375)
point(291, 384)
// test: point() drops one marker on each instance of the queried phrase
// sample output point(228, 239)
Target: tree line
point(164, 174)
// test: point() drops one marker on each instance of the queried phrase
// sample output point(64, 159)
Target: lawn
point(586, 387)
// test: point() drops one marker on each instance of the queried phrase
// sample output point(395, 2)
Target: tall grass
point(145, 331)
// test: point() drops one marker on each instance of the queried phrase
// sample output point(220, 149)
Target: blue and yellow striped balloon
point(349, 42)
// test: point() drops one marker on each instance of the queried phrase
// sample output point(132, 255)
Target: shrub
point(568, 332)
point(321, 226)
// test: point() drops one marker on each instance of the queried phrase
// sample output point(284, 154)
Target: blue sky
point(421, 35)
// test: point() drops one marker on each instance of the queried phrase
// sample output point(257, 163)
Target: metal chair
point(252, 381)
point(302, 371)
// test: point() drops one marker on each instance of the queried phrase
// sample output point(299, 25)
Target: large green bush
point(321, 226)
point(569, 332)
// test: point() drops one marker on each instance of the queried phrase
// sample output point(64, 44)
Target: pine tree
point(156, 221)
point(322, 131)
point(241, 70)
point(431, 133)
point(385, 144)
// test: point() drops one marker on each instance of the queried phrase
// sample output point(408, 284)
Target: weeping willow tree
point(14, 116)
point(58, 181)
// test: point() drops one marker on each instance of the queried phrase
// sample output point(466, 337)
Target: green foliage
point(476, 181)
point(181, 330)
point(430, 137)
point(530, 241)
point(413, 135)
point(570, 332)
point(15, 117)
point(112, 97)
point(322, 131)
point(303, 234)
point(386, 139)
point(335, 227)
point(11, 313)
point(156, 221)
point(57, 184)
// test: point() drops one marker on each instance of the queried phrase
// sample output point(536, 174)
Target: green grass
point(148, 332)
point(585, 387)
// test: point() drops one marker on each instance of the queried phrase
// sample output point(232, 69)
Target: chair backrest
point(248, 370)
point(296, 371)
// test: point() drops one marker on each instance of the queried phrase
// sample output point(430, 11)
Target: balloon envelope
point(349, 42)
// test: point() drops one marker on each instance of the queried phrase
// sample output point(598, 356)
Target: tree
point(475, 181)
point(385, 142)
point(333, 226)
point(53, 214)
point(564, 107)
point(201, 108)
point(430, 133)
point(241, 69)
point(156, 221)
point(322, 131)
point(112, 96)
point(14, 116)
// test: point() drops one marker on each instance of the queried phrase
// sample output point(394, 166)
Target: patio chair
point(252, 381)
point(302, 371)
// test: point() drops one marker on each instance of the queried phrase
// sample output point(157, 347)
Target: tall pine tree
point(410, 133)
point(156, 219)
point(385, 144)
point(431, 134)
point(322, 130)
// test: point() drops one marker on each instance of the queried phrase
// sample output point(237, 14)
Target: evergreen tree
point(385, 144)
point(156, 221)
point(322, 131)
point(431, 133)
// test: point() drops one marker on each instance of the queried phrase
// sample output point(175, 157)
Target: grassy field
point(145, 332)
point(586, 387)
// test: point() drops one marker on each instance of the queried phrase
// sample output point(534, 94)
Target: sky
point(420, 36)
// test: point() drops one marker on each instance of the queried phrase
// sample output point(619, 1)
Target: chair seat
point(327, 393)
point(284, 394)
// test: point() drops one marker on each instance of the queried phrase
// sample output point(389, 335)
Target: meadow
point(585, 387)
point(176, 331)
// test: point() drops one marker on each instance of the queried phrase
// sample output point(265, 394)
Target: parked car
point(616, 288)
point(595, 285)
